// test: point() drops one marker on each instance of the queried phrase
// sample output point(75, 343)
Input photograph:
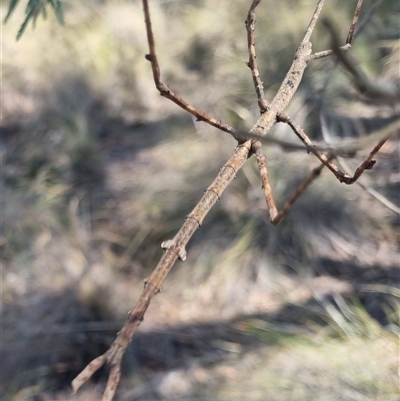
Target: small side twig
point(352, 29)
point(349, 39)
point(342, 177)
point(165, 90)
point(375, 194)
point(374, 90)
point(367, 164)
point(262, 166)
point(252, 63)
point(275, 217)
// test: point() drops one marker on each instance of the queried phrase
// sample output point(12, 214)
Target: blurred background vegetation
point(97, 170)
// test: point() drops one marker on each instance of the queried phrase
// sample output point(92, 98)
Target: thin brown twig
point(262, 166)
point(367, 164)
point(315, 173)
point(349, 39)
point(252, 63)
point(165, 90)
point(342, 177)
point(389, 94)
point(275, 217)
point(360, 26)
point(353, 25)
point(371, 191)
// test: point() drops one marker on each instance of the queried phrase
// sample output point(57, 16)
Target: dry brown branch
point(360, 26)
point(371, 11)
point(367, 164)
point(342, 177)
point(252, 63)
point(270, 115)
point(298, 192)
point(354, 22)
point(349, 38)
point(165, 90)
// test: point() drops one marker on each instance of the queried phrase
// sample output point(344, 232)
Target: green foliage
point(33, 9)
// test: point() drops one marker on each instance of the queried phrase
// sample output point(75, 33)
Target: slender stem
point(262, 166)
point(354, 22)
point(252, 63)
point(276, 217)
point(165, 90)
point(298, 192)
point(341, 176)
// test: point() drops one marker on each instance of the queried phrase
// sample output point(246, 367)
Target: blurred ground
point(98, 169)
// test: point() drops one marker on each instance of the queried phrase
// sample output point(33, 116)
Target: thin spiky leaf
point(44, 13)
point(33, 6)
point(11, 8)
point(23, 27)
point(37, 13)
point(33, 9)
point(58, 9)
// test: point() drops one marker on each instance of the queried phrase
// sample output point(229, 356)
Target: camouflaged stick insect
point(271, 113)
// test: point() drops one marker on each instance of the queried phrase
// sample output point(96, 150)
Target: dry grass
point(98, 170)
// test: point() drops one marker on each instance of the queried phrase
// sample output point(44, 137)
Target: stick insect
point(248, 144)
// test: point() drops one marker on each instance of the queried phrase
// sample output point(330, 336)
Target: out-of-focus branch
point(388, 93)
point(350, 35)
point(344, 148)
point(363, 23)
